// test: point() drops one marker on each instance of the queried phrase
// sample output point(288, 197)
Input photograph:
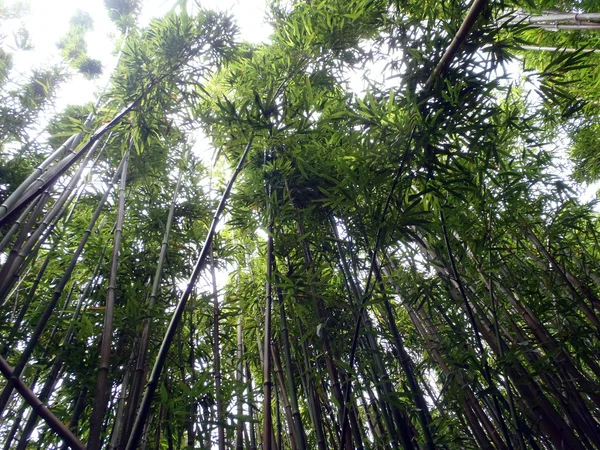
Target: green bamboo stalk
point(26, 184)
point(15, 226)
point(251, 407)
point(282, 398)
point(37, 236)
point(471, 407)
point(268, 444)
point(43, 183)
point(239, 377)
point(27, 301)
point(21, 239)
point(289, 368)
point(191, 419)
point(476, 331)
point(58, 361)
point(355, 295)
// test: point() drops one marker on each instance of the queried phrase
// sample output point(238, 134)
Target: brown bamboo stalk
point(283, 395)
point(102, 387)
point(217, 353)
point(267, 359)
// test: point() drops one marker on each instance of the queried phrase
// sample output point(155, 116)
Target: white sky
point(48, 21)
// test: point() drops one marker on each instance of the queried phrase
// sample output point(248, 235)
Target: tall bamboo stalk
point(298, 426)
point(239, 377)
point(217, 353)
point(69, 144)
point(10, 273)
point(267, 384)
point(102, 386)
point(53, 422)
point(44, 182)
point(15, 226)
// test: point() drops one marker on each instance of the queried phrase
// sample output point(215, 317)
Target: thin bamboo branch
point(459, 38)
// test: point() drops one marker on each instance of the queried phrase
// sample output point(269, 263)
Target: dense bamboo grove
point(405, 267)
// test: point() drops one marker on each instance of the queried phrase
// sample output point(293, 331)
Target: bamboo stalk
point(77, 411)
point(476, 331)
point(380, 376)
point(102, 388)
point(563, 17)
point(38, 237)
point(267, 359)
point(332, 372)
point(459, 38)
point(27, 301)
point(26, 184)
point(15, 226)
point(21, 239)
point(43, 183)
point(239, 377)
point(559, 49)
point(217, 352)
point(284, 399)
point(298, 426)
point(191, 419)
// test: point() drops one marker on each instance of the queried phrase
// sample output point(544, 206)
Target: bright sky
point(48, 21)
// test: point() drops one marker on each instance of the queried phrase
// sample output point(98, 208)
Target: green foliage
point(585, 152)
point(430, 214)
point(123, 12)
point(73, 46)
point(82, 20)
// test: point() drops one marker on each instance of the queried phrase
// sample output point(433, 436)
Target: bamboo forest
point(372, 230)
